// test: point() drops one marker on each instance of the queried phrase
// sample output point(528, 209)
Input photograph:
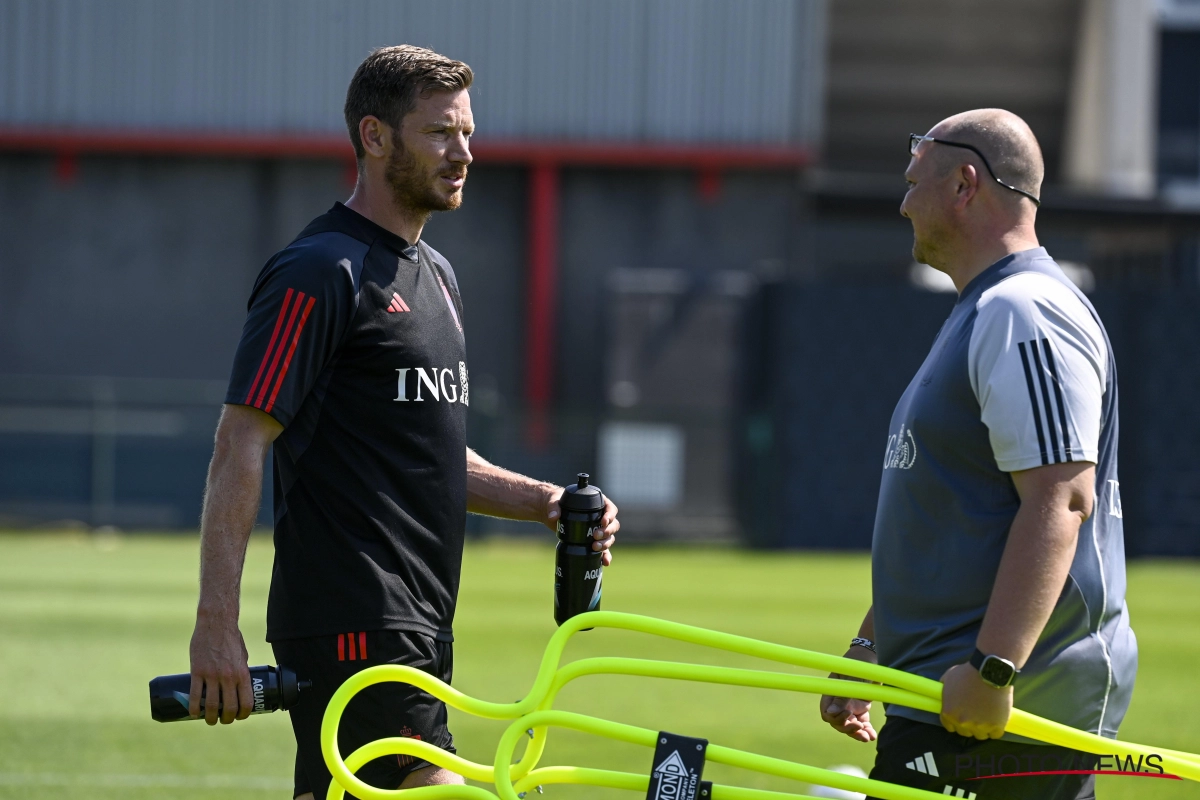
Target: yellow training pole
point(534, 714)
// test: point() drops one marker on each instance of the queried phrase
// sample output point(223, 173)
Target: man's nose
point(460, 153)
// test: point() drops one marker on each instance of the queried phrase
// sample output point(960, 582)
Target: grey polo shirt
point(1021, 375)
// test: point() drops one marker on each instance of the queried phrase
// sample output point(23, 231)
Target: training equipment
point(578, 569)
point(534, 715)
point(827, 793)
point(274, 688)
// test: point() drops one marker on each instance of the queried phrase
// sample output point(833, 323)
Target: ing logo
point(445, 385)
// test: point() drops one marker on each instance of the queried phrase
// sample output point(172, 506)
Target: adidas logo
point(397, 304)
point(925, 765)
point(963, 793)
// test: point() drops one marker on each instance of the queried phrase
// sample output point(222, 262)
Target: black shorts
point(930, 757)
point(377, 712)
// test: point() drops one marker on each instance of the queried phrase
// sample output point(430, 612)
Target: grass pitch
point(86, 621)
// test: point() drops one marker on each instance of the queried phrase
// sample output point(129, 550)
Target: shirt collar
point(1013, 262)
point(366, 230)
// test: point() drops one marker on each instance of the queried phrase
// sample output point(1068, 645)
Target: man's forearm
point(231, 502)
point(498, 492)
point(1033, 570)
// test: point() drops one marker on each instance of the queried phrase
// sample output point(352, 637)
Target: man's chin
point(436, 201)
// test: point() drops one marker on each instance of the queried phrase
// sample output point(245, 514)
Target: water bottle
point(273, 687)
point(577, 567)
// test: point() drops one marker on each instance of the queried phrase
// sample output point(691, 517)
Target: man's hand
point(971, 707)
point(847, 715)
point(219, 669)
point(500, 493)
point(605, 535)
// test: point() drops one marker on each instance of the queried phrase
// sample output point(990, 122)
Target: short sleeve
point(299, 311)
point(1037, 362)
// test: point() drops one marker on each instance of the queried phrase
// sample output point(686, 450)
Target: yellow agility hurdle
point(534, 715)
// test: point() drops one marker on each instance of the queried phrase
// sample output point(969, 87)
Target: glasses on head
point(915, 139)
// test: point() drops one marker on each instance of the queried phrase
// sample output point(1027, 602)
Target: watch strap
point(862, 641)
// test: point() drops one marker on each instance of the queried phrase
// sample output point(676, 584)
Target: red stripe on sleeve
point(312, 301)
point(262, 392)
point(353, 653)
point(341, 647)
point(362, 644)
point(287, 298)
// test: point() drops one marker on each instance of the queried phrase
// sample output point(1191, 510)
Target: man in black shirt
point(352, 364)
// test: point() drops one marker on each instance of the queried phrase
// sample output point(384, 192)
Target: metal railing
point(73, 448)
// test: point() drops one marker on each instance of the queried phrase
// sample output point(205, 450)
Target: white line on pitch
point(159, 781)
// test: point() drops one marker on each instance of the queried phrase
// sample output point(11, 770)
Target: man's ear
point(966, 185)
point(375, 135)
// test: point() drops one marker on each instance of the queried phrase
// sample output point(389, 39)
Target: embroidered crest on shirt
point(901, 450)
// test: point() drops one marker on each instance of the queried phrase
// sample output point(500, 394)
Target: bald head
point(962, 219)
point(1002, 136)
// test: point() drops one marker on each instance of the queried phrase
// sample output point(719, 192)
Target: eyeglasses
point(915, 139)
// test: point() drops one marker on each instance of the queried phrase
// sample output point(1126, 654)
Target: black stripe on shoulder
point(1051, 428)
point(1033, 403)
point(1058, 396)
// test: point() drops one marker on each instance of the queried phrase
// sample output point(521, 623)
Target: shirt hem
point(916, 715)
point(275, 413)
point(1029, 462)
point(433, 631)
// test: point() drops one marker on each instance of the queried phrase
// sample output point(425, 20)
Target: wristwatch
point(995, 671)
point(863, 642)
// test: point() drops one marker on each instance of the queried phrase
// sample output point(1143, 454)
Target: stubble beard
point(413, 188)
point(918, 251)
point(925, 249)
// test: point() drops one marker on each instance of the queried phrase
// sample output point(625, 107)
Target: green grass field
point(86, 621)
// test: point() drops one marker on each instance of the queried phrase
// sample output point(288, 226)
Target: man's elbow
point(1082, 503)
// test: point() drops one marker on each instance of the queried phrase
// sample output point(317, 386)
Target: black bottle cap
point(582, 496)
point(290, 687)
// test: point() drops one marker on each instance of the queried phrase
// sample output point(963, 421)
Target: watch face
point(996, 671)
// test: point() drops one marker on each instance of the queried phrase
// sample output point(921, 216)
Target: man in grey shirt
point(998, 562)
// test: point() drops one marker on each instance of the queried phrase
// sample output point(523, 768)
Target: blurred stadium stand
point(814, 404)
point(650, 176)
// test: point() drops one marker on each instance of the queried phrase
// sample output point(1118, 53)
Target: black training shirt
point(354, 343)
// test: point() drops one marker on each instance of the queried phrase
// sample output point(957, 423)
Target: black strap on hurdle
point(677, 768)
